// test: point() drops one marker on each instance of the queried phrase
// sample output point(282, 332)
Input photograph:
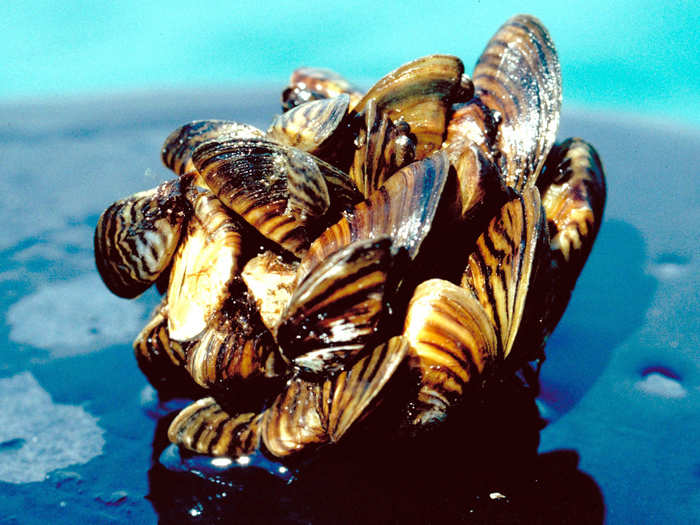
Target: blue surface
point(639, 57)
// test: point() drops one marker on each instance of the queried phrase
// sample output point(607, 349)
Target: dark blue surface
point(620, 387)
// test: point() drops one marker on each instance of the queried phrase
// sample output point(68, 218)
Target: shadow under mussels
point(608, 304)
point(481, 466)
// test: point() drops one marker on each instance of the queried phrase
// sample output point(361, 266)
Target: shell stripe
point(206, 428)
point(504, 262)
point(518, 75)
point(136, 237)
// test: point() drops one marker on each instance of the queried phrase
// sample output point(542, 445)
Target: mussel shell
point(305, 414)
point(505, 262)
point(452, 341)
point(252, 177)
point(203, 268)
point(335, 311)
point(313, 125)
point(206, 427)
point(136, 237)
point(351, 395)
point(310, 83)
point(161, 359)
point(293, 422)
point(473, 125)
point(403, 209)
point(383, 147)
point(478, 183)
point(518, 78)
point(573, 197)
point(236, 354)
point(421, 92)
point(270, 281)
point(177, 149)
point(309, 413)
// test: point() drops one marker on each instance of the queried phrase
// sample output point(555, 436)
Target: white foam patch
point(661, 385)
point(38, 435)
point(74, 317)
point(669, 271)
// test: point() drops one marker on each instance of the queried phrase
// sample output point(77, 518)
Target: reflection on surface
point(608, 304)
point(481, 467)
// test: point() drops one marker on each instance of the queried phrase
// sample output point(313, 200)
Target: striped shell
point(136, 238)
point(408, 247)
point(309, 83)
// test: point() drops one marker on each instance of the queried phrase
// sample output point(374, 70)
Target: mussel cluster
point(428, 231)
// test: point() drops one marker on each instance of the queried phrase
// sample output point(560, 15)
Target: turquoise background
point(636, 57)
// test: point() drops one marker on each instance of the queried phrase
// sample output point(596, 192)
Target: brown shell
point(402, 209)
point(207, 428)
point(314, 126)
point(203, 268)
point(177, 149)
point(383, 147)
point(136, 237)
point(161, 359)
point(505, 261)
point(421, 93)
point(312, 83)
point(519, 79)
point(335, 311)
point(573, 197)
point(452, 341)
point(310, 413)
point(478, 183)
point(235, 345)
point(256, 178)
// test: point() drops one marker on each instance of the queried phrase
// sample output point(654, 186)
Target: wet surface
point(81, 431)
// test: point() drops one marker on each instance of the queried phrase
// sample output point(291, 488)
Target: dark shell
point(235, 346)
point(310, 83)
point(162, 360)
point(310, 413)
point(478, 183)
point(311, 125)
point(306, 413)
point(136, 237)
point(207, 428)
point(573, 197)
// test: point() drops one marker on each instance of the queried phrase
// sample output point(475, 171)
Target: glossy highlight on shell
point(405, 246)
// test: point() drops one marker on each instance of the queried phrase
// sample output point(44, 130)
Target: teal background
point(639, 58)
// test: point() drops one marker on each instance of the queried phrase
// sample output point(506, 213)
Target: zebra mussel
point(428, 231)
